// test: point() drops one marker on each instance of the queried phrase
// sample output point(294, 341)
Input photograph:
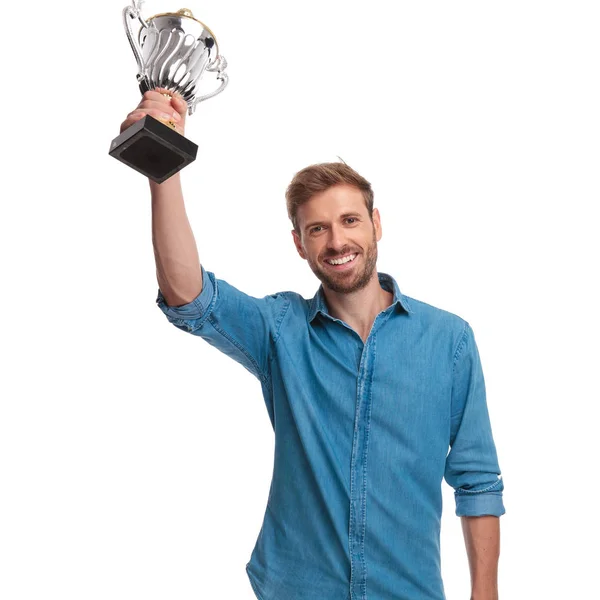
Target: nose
point(337, 238)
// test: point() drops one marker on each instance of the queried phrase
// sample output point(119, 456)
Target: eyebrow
point(344, 216)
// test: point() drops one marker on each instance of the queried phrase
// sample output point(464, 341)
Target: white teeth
point(341, 261)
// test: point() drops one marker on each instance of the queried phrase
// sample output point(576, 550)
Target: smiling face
point(338, 238)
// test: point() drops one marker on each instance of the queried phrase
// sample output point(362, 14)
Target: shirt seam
point(205, 313)
point(462, 491)
point(278, 326)
point(263, 376)
point(218, 329)
point(207, 316)
point(457, 353)
point(279, 321)
point(460, 346)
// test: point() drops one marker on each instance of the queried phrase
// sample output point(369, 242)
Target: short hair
point(319, 177)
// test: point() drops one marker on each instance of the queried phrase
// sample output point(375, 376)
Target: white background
point(135, 459)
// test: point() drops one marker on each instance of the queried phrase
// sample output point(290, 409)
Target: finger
point(131, 119)
point(176, 99)
point(136, 115)
point(180, 105)
point(148, 105)
point(166, 92)
point(156, 96)
point(159, 113)
point(166, 106)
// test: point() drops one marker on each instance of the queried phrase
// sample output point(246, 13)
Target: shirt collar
point(317, 303)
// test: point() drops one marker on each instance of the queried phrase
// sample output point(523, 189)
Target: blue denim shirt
point(364, 434)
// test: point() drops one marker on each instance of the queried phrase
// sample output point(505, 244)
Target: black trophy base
point(153, 149)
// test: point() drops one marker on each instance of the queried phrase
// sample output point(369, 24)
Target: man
point(367, 389)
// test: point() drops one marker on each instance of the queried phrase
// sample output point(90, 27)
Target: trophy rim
point(181, 16)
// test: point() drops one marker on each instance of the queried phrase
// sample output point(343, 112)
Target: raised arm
point(194, 300)
point(177, 263)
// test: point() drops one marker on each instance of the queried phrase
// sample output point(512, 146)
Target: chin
point(342, 286)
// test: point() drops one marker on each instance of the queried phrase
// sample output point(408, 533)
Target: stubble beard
point(344, 283)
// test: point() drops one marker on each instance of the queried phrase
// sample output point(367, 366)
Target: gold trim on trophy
point(186, 12)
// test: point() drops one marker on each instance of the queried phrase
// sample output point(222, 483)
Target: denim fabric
point(364, 435)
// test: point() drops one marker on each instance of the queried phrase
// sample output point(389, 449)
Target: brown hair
point(319, 177)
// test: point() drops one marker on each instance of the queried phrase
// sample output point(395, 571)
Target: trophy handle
point(219, 65)
point(133, 12)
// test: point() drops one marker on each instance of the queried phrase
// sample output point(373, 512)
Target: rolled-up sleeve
point(195, 312)
point(472, 467)
point(239, 325)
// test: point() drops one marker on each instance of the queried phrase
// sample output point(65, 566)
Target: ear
point(377, 224)
point(298, 244)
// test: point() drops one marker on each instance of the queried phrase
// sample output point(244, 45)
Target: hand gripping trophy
point(173, 51)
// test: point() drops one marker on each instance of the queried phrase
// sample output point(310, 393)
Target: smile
point(344, 260)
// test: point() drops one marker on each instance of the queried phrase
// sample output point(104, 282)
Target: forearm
point(482, 541)
point(175, 252)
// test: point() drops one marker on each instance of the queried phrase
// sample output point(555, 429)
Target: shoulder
point(435, 314)
point(292, 300)
point(440, 322)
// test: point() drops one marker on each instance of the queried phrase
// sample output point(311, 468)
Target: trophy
point(173, 51)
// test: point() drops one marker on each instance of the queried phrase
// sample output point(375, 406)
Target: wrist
point(173, 182)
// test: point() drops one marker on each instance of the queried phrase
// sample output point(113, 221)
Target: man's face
point(335, 226)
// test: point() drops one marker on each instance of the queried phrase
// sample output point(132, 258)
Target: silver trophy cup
point(173, 51)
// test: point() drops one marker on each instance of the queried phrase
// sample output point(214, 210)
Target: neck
point(359, 309)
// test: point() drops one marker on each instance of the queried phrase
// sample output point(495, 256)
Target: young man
point(367, 389)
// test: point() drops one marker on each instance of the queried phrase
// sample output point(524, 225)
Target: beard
point(346, 282)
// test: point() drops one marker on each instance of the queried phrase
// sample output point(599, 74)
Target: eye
point(316, 228)
point(351, 220)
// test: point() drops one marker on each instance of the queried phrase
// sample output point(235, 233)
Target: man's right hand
point(161, 107)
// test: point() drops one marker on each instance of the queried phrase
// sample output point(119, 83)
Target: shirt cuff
point(194, 309)
point(477, 505)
